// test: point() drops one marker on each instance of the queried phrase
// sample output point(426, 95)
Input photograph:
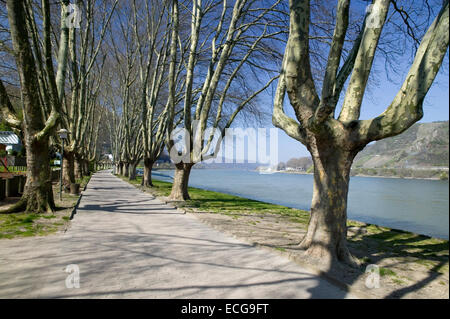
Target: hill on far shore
point(419, 152)
point(422, 146)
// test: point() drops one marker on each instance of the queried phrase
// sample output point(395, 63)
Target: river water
point(419, 206)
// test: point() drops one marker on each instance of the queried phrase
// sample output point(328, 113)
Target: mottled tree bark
point(147, 178)
point(86, 170)
point(38, 193)
point(327, 228)
point(132, 172)
point(126, 172)
point(180, 182)
point(78, 167)
point(68, 170)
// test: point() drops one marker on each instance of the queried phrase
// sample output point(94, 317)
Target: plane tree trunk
point(326, 237)
point(126, 172)
point(78, 167)
point(38, 191)
point(180, 182)
point(147, 178)
point(86, 171)
point(133, 172)
point(68, 170)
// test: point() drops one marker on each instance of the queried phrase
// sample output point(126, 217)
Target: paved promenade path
point(128, 244)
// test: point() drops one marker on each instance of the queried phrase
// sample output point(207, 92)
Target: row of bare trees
point(191, 65)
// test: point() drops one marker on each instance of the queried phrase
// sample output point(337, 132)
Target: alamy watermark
point(236, 145)
point(73, 279)
point(373, 278)
point(73, 18)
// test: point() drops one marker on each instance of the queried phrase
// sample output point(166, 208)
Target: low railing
point(13, 169)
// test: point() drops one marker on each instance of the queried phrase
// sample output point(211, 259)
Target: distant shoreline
point(397, 177)
point(361, 175)
point(305, 173)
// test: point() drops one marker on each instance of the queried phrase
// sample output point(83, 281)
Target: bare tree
point(334, 139)
point(216, 89)
point(42, 92)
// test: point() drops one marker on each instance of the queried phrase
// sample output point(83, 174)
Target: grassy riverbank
point(405, 259)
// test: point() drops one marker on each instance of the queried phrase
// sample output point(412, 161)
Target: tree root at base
point(339, 253)
point(15, 208)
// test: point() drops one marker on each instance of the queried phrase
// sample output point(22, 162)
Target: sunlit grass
point(27, 225)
